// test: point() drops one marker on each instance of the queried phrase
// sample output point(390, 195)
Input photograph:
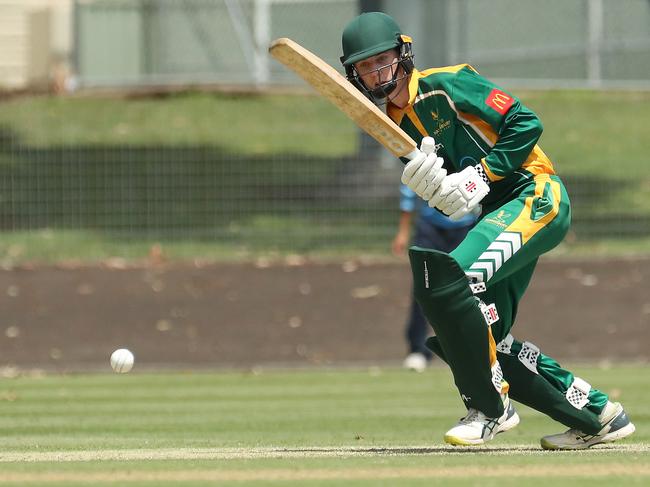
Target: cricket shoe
point(616, 426)
point(477, 429)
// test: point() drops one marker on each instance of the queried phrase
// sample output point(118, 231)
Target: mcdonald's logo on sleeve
point(499, 101)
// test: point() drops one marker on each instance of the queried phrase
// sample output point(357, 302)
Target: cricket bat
point(337, 89)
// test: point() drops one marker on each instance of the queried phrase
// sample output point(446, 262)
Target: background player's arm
point(407, 205)
point(403, 234)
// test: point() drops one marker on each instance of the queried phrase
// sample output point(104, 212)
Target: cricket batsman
point(479, 154)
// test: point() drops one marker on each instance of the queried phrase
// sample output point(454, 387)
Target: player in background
point(432, 230)
point(484, 160)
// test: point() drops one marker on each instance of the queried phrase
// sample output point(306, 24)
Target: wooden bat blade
point(333, 86)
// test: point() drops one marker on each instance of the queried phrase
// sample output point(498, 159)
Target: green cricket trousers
point(497, 259)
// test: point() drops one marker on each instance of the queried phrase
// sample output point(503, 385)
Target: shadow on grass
point(178, 192)
point(206, 193)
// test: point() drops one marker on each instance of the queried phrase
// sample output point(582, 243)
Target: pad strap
point(578, 393)
point(477, 287)
point(489, 312)
point(504, 345)
point(497, 376)
point(528, 356)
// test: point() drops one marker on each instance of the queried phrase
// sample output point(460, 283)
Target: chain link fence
point(161, 42)
point(565, 43)
point(262, 171)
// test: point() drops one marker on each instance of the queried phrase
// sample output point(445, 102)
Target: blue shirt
point(410, 202)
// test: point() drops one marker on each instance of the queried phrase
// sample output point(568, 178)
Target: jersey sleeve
point(517, 128)
point(407, 199)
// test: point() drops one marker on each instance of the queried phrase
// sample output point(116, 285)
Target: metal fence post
point(262, 34)
point(594, 42)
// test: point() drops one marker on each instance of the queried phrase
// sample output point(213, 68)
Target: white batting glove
point(424, 172)
point(460, 193)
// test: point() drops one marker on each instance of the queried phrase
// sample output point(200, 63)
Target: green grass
point(594, 133)
point(375, 426)
point(585, 132)
point(238, 124)
point(47, 246)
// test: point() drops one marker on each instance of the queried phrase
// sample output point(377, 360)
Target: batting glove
point(424, 172)
point(461, 193)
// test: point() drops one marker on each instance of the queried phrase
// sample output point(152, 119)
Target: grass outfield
point(593, 139)
point(307, 427)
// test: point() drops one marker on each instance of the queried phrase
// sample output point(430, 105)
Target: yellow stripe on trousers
point(528, 227)
point(524, 224)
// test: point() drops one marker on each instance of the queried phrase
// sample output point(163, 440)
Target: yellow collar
point(413, 85)
point(396, 113)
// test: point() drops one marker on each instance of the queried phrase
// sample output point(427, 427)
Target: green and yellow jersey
point(475, 122)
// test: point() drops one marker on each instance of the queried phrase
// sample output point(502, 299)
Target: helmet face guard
point(380, 34)
point(379, 94)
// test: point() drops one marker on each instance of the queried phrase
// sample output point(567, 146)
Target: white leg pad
point(578, 393)
point(528, 356)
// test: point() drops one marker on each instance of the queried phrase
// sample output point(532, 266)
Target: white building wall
point(35, 41)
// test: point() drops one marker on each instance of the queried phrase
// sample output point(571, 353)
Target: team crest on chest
point(441, 123)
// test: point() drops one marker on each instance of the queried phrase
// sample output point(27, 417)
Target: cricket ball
point(122, 360)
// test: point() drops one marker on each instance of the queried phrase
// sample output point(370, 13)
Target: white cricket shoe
point(477, 429)
point(415, 361)
point(616, 425)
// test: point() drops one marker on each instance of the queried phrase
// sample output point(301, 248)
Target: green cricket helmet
point(367, 35)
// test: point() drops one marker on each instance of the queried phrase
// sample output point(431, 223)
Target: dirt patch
point(298, 313)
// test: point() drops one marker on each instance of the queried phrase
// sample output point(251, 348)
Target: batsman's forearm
point(522, 129)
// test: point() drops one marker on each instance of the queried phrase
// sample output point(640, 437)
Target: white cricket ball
point(122, 360)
